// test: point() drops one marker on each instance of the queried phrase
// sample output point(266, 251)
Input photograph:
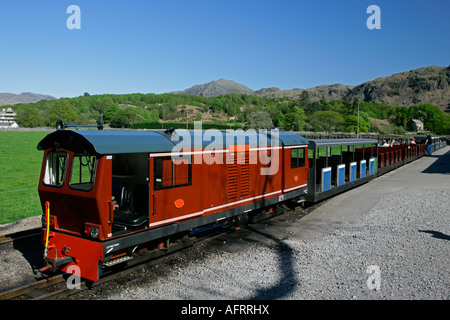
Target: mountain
point(24, 97)
point(424, 85)
point(329, 92)
point(217, 88)
point(224, 87)
point(419, 86)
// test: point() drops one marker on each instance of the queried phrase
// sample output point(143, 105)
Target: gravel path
point(408, 246)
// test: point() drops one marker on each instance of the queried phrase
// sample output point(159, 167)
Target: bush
point(126, 118)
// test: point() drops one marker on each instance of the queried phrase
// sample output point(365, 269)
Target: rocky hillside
point(329, 92)
point(24, 97)
point(223, 87)
point(419, 86)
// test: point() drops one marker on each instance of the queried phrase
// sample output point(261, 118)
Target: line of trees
point(135, 110)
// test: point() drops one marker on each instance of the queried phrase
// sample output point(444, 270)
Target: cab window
point(55, 168)
point(297, 157)
point(83, 172)
point(169, 173)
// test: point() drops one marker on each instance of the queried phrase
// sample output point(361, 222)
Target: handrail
point(60, 125)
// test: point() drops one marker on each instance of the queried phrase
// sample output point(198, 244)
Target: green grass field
point(20, 166)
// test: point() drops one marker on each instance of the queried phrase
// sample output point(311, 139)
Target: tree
point(217, 106)
point(351, 124)
point(30, 118)
point(348, 107)
point(446, 124)
point(326, 121)
point(168, 112)
point(259, 119)
point(63, 110)
point(432, 117)
point(402, 116)
point(294, 120)
point(305, 99)
point(102, 105)
point(127, 117)
point(232, 109)
point(110, 112)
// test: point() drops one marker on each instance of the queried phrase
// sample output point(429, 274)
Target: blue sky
point(160, 46)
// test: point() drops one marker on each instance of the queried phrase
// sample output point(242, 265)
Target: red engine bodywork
point(176, 193)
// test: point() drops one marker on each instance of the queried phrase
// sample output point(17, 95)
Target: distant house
point(8, 118)
point(418, 123)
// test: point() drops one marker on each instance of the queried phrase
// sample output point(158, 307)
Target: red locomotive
point(108, 194)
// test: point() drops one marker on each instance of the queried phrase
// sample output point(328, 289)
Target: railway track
point(56, 287)
point(52, 288)
point(10, 237)
point(33, 291)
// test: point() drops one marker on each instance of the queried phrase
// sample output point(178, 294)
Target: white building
point(419, 124)
point(8, 118)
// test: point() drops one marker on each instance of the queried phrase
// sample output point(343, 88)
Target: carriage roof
point(122, 141)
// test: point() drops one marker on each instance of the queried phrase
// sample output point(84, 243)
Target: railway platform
point(428, 173)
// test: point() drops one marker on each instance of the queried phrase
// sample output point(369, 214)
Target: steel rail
point(10, 237)
point(25, 291)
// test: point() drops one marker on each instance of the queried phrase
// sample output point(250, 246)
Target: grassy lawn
point(20, 166)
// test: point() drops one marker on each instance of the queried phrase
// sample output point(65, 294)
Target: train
point(109, 197)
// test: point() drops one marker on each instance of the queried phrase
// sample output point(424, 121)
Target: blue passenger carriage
point(340, 164)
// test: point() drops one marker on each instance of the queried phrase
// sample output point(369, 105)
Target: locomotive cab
point(98, 180)
point(130, 192)
point(73, 184)
point(75, 205)
point(93, 187)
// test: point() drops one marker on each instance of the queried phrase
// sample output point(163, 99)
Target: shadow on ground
point(287, 280)
point(440, 165)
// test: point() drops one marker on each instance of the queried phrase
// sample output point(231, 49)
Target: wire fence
point(19, 204)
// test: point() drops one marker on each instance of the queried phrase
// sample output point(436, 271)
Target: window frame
point(298, 162)
point(47, 176)
point(91, 182)
point(158, 173)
